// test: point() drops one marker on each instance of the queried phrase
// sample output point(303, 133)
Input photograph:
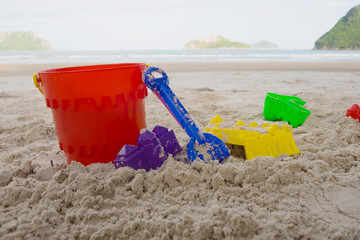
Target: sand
point(313, 195)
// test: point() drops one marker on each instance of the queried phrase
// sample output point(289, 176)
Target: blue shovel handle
point(160, 86)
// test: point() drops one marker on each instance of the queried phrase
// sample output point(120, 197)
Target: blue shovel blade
point(212, 149)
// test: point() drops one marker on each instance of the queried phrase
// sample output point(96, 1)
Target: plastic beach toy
point(285, 108)
point(251, 141)
point(152, 150)
point(96, 109)
point(354, 112)
point(201, 145)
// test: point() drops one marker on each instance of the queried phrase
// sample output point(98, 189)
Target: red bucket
point(96, 109)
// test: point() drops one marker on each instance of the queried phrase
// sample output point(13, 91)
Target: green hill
point(344, 35)
point(20, 41)
point(215, 42)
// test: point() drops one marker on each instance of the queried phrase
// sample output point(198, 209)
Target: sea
point(127, 56)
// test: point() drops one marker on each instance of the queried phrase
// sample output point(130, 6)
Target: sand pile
point(312, 195)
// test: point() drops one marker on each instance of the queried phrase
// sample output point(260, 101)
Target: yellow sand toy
point(251, 141)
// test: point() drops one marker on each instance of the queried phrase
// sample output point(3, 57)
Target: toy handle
point(37, 83)
point(160, 86)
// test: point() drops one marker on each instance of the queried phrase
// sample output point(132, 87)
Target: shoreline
point(353, 66)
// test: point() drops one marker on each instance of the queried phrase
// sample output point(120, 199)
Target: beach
point(311, 195)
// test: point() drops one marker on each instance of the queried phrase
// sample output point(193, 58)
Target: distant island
point(215, 42)
point(219, 42)
point(265, 45)
point(22, 41)
point(345, 35)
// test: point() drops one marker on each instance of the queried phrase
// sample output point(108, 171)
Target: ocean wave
point(175, 55)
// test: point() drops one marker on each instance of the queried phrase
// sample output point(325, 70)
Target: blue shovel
point(201, 145)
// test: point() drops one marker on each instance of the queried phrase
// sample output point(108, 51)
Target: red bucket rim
point(87, 68)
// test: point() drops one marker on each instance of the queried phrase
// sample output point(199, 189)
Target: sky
point(169, 24)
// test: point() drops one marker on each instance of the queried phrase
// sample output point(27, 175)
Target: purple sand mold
point(131, 156)
point(152, 150)
point(168, 140)
point(155, 153)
